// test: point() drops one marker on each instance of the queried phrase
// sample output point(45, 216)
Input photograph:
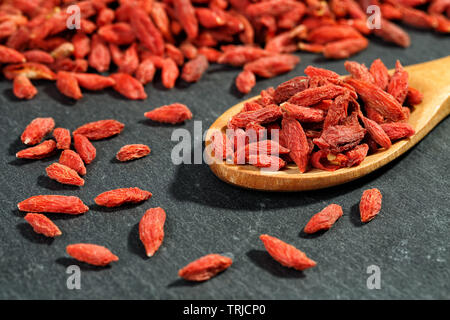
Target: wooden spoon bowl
point(431, 78)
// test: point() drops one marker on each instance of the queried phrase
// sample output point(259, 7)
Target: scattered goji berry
point(325, 219)
point(36, 130)
point(194, 69)
point(173, 113)
point(205, 267)
point(118, 197)
point(101, 129)
point(43, 225)
point(72, 160)
point(132, 151)
point(84, 148)
point(62, 137)
point(128, 86)
point(64, 174)
point(91, 253)
point(370, 204)
point(40, 151)
point(286, 254)
point(92, 81)
point(245, 81)
point(54, 204)
point(68, 85)
point(151, 229)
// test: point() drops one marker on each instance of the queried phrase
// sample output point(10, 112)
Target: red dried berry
point(43, 225)
point(172, 113)
point(132, 151)
point(286, 254)
point(118, 197)
point(370, 204)
point(84, 148)
point(151, 229)
point(101, 129)
point(91, 253)
point(205, 267)
point(72, 160)
point(37, 130)
point(40, 151)
point(62, 137)
point(324, 220)
point(64, 174)
point(53, 203)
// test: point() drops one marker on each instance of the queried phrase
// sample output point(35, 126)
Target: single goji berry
point(53, 203)
point(43, 225)
point(101, 129)
point(324, 220)
point(151, 229)
point(132, 151)
point(40, 151)
point(36, 130)
point(194, 69)
point(205, 267)
point(64, 174)
point(118, 197)
point(173, 113)
point(72, 160)
point(62, 137)
point(128, 86)
point(91, 254)
point(286, 254)
point(370, 204)
point(68, 85)
point(92, 81)
point(84, 148)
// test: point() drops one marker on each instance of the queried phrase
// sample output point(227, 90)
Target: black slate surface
point(408, 240)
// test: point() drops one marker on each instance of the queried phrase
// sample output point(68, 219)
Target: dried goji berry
point(205, 267)
point(100, 129)
point(91, 254)
point(342, 49)
point(145, 31)
point(311, 96)
point(40, 151)
point(295, 140)
point(245, 81)
point(169, 73)
point(265, 115)
point(9, 55)
point(269, 67)
point(68, 85)
point(43, 225)
point(36, 130)
point(370, 204)
point(119, 33)
point(414, 96)
point(390, 32)
point(398, 85)
point(376, 132)
point(99, 56)
point(62, 137)
point(39, 56)
point(128, 86)
point(53, 203)
point(84, 148)
point(132, 151)
point(286, 254)
point(118, 197)
point(151, 229)
point(186, 15)
point(324, 220)
point(92, 81)
point(64, 174)
point(173, 113)
point(72, 160)
point(145, 71)
point(194, 69)
point(303, 114)
point(378, 99)
point(31, 70)
point(380, 74)
point(397, 130)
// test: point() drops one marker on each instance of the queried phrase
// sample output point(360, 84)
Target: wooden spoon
point(431, 78)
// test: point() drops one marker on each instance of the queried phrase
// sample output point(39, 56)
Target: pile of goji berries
point(181, 37)
point(321, 120)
